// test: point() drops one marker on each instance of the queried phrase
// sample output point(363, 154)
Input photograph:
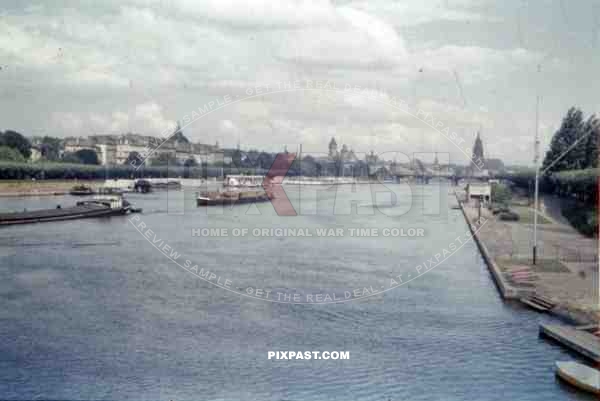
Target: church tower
point(477, 160)
point(333, 148)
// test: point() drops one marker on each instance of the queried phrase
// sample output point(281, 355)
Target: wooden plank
point(580, 341)
point(534, 305)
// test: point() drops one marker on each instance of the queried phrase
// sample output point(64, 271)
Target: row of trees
point(575, 145)
point(570, 169)
point(54, 171)
point(14, 146)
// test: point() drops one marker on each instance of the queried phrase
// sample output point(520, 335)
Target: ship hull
point(49, 215)
point(202, 201)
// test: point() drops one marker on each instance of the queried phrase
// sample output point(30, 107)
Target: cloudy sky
point(103, 67)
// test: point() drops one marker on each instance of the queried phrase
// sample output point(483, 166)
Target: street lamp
point(537, 174)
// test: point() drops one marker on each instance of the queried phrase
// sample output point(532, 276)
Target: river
point(91, 310)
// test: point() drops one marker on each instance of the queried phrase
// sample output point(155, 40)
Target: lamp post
point(537, 173)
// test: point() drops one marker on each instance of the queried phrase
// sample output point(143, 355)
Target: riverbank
point(566, 270)
point(12, 188)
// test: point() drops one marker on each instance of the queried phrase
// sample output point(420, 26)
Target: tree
point(87, 156)
point(50, 148)
point(318, 169)
point(70, 157)
point(265, 160)
point(309, 166)
point(501, 194)
point(11, 154)
point(164, 159)
point(133, 157)
point(571, 129)
point(592, 128)
point(191, 162)
point(13, 139)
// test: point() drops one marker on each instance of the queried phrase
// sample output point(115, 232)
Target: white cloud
point(146, 118)
point(139, 64)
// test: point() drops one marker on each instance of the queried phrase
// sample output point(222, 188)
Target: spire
point(477, 159)
point(332, 147)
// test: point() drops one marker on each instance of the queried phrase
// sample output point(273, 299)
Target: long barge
point(99, 207)
point(231, 198)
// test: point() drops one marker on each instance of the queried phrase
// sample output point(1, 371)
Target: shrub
point(509, 216)
point(11, 154)
point(583, 219)
point(501, 194)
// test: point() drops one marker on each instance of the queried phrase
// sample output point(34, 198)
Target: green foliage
point(133, 157)
point(191, 162)
point(580, 184)
point(585, 220)
point(509, 216)
point(54, 170)
point(87, 156)
point(50, 148)
point(501, 194)
point(13, 139)
point(70, 157)
point(592, 127)
point(83, 156)
point(565, 152)
point(164, 159)
point(11, 154)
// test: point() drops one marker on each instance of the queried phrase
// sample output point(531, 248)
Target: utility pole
point(537, 173)
point(479, 210)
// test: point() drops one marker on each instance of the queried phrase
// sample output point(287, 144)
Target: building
point(477, 159)
point(116, 149)
point(36, 153)
point(479, 191)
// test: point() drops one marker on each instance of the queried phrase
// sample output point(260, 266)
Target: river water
point(92, 310)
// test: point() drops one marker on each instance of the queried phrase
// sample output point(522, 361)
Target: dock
point(506, 290)
point(578, 340)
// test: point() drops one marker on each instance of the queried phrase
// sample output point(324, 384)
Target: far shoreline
point(23, 188)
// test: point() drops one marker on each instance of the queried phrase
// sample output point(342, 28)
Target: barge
point(97, 207)
point(81, 190)
point(231, 198)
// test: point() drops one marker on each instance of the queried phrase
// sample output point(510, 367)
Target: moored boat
point(81, 190)
point(100, 206)
point(580, 376)
point(231, 198)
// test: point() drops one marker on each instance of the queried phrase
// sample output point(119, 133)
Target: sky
point(78, 68)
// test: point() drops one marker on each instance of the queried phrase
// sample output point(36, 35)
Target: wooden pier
point(579, 340)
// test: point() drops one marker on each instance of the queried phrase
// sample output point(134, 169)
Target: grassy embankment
point(39, 187)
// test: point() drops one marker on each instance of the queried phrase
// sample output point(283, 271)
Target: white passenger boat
point(580, 376)
point(243, 181)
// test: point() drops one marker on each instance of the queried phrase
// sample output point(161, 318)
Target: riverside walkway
point(567, 268)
